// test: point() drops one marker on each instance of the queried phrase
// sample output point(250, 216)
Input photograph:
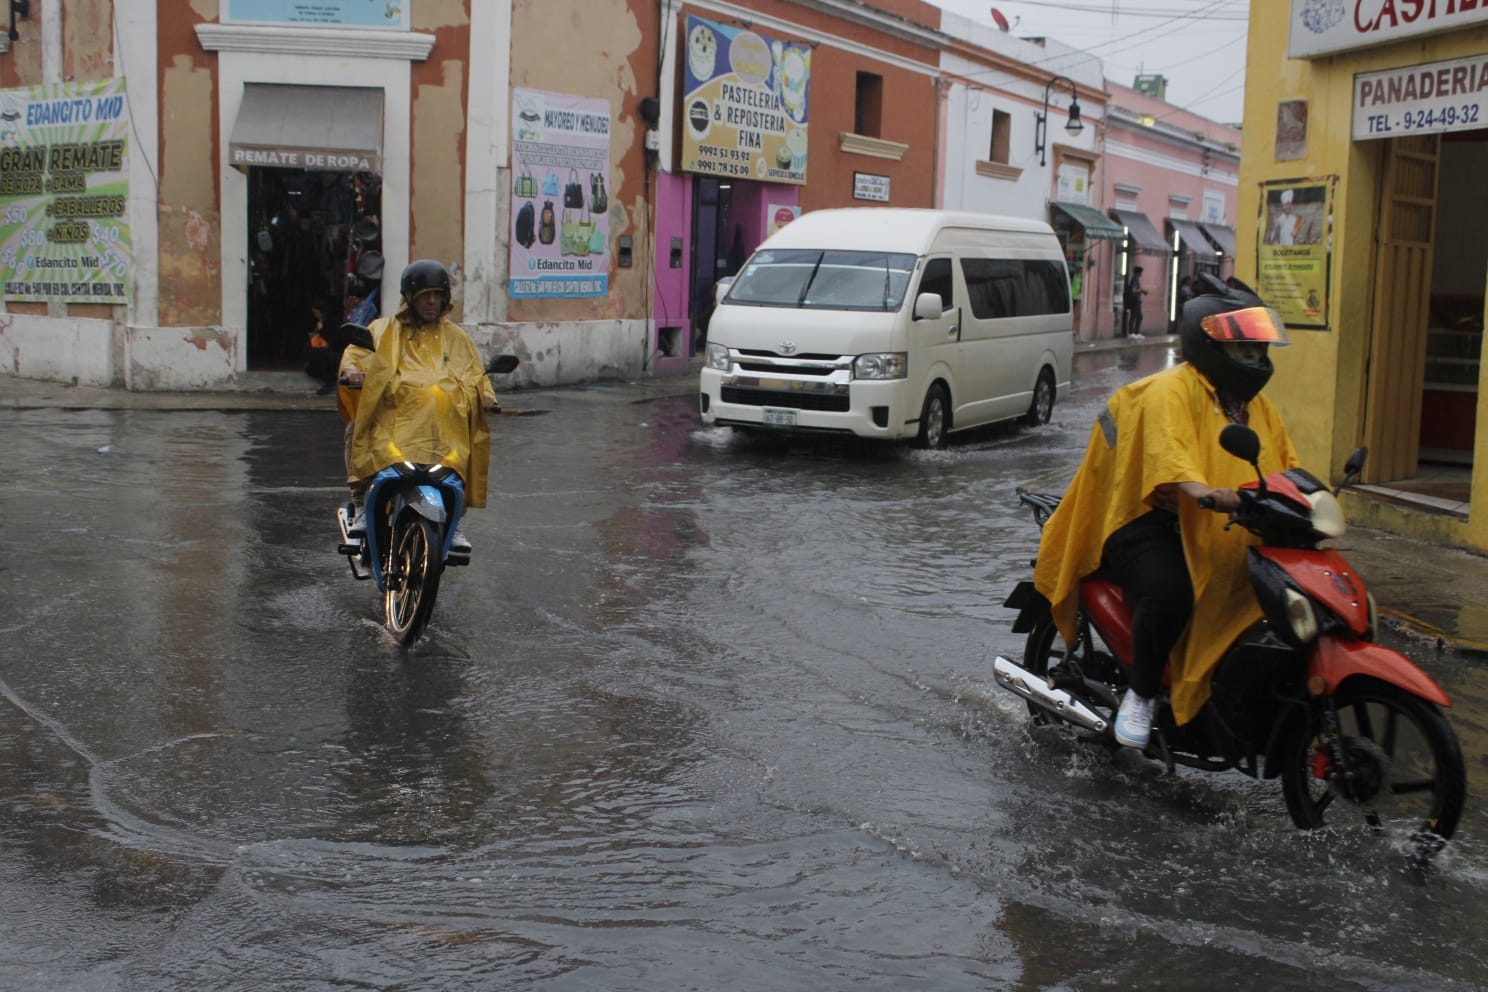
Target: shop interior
point(314, 248)
point(1449, 394)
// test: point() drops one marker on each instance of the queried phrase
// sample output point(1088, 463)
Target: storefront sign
point(64, 193)
point(866, 187)
point(1292, 260)
point(560, 195)
point(1422, 99)
point(326, 13)
point(1326, 27)
point(744, 104)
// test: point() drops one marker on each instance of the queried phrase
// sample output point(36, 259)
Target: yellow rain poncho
point(422, 401)
point(1159, 431)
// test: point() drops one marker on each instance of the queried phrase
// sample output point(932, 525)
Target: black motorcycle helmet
point(423, 276)
point(1222, 314)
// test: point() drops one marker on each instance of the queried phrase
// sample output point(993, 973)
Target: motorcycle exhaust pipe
point(1022, 682)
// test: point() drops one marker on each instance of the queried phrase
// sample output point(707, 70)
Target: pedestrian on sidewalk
point(1131, 302)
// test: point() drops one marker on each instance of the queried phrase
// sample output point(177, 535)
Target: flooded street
point(703, 712)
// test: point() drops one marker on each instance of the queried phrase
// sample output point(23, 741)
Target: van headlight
point(718, 357)
point(886, 365)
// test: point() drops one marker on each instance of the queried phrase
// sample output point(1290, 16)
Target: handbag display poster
point(1293, 251)
point(744, 104)
point(64, 193)
point(560, 206)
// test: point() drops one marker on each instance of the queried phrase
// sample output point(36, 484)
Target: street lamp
point(1074, 125)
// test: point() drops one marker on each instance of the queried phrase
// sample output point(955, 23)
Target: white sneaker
point(459, 543)
point(1133, 721)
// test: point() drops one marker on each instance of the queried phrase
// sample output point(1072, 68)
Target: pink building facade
point(1170, 178)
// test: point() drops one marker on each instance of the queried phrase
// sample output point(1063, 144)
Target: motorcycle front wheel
point(414, 567)
point(1404, 773)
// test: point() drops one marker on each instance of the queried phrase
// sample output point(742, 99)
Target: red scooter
point(1352, 728)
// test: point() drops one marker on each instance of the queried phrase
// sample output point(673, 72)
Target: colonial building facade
point(1361, 216)
point(190, 186)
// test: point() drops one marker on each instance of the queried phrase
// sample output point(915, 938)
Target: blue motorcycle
point(411, 514)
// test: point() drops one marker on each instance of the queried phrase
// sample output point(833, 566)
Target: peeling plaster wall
point(69, 349)
point(583, 340)
point(558, 352)
point(87, 40)
point(190, 228)
point(437, 143)
point(610, 35)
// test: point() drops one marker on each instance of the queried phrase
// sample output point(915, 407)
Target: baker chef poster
point(744, 103)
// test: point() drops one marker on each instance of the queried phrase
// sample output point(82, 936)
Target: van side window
point(1010, 287)
point(937, 280)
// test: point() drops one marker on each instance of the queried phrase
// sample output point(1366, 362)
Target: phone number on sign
point(1449, 116)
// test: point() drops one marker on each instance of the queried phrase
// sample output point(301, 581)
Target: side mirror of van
point(928, 306)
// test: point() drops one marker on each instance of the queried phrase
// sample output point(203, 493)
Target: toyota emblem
point(787, 348)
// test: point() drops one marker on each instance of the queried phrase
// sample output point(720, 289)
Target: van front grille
point(769, 363)
point(793, 400)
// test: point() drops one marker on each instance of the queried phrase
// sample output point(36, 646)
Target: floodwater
point(702, 713)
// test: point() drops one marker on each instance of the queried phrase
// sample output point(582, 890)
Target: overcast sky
point(1199, 47)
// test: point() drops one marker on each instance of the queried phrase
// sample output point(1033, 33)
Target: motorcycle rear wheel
point(1408, 774)
point(413, 577)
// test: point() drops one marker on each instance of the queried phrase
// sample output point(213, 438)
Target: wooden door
point(1399, 317)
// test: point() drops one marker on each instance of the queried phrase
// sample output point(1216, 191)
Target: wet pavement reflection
point(703, 712)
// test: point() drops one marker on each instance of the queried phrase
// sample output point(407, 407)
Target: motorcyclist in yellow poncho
point(1132, 508)
point(423, 393)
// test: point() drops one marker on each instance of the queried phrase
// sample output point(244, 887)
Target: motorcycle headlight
point(1301, 616)
point(885, 365)
point(718, 357)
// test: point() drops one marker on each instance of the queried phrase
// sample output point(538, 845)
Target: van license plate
point(776, 417)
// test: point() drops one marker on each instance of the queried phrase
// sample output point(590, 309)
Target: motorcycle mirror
point(356, 334)
point(500, 364)
point(1353, 468)
point(1241, 441)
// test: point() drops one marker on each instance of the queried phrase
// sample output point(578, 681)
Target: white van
point(892, 323)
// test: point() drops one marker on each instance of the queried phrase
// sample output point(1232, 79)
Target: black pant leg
point(1146, 559)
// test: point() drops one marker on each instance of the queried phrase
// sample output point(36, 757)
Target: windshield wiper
point(806, 286)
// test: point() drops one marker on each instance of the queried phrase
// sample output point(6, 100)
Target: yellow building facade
point(1363, 219)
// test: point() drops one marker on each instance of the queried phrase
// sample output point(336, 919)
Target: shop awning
point(1097, 225)
point(1193, 239)
point(308, 127)
point(1143, 231)
point(1222, 236)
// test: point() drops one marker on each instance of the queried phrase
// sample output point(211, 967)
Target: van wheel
point(935, 418)
point(1042, 407)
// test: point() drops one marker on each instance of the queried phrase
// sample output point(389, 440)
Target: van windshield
point(824, 280)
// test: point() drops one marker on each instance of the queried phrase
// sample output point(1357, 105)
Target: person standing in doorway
point(1131, 303)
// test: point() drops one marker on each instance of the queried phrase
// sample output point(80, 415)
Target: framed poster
point(64, 193)
point(1295, 249)
point(560, 234)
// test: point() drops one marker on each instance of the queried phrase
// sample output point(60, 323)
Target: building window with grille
point(868, 107)
point(1002, 126)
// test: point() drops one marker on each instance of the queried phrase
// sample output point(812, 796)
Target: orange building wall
point(190, 222)
point(597, 50)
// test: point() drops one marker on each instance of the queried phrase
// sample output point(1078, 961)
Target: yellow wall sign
point(744, 107)
point(1292, 256)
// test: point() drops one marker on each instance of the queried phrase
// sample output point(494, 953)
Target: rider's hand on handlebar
point(353, 378)
point(1219, 500)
